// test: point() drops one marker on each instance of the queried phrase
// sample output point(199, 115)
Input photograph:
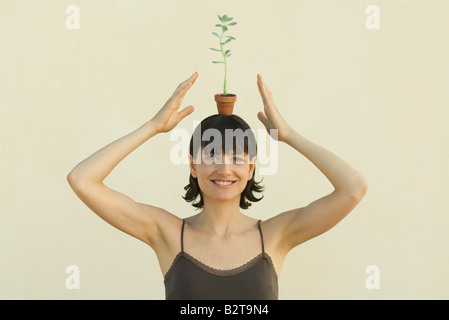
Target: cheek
point(244, 172)
point(202, 175)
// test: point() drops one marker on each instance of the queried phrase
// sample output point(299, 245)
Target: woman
point(219, 253)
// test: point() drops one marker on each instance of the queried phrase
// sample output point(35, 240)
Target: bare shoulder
point(190, 219)
point(276, 224)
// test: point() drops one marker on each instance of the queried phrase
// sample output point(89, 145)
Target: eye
point(239, 160)
point(212, 155)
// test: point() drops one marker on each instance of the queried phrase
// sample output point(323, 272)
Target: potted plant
point(225, 101)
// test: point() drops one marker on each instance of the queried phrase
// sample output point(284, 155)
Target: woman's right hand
point(168, 117)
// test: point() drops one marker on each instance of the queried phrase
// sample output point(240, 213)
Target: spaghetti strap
point(261, 236)
point(182, 235)
point(191, 279)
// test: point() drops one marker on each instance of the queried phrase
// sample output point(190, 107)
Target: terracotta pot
point(225, 104)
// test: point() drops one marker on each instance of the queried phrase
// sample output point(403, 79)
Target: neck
point(220, 217)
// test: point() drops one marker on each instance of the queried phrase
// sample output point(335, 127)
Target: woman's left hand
point(271, 118)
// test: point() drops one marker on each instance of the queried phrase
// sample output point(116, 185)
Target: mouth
point(223, 183)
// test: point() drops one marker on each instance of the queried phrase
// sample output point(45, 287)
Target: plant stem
point(225, 90)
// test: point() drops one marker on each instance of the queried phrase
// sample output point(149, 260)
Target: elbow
point(359, 190)
point(354, 191)
point(80, 182)
point(74, 180)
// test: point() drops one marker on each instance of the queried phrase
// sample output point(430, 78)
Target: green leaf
point(232, 24)
point(217, 62)
point(226, 18)
point(227, 51)
point(224, 28)
point(227, 41)
point(215, 49)
point(230, 37)
point(228, 55)
point(216, 34)
point(219, 25)
point(221, 19)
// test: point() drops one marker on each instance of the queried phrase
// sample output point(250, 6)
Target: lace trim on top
point(220, 272)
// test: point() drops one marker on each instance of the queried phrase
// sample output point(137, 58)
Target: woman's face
point(224, 176)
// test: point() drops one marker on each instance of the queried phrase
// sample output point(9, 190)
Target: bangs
point(225, 134)
point(228, 134)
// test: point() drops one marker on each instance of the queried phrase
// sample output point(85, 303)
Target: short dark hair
point(223, 123)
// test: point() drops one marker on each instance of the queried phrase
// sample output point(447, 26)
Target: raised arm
point(86, 179)
point(298, 225)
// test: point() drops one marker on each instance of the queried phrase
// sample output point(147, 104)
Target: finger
point(263, 89)
point(186, 85)
point(192, 79)
point(260, 83)
point(185, 112)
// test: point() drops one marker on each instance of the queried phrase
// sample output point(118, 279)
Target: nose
point(224, 169)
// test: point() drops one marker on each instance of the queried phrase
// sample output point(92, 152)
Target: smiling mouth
point(223, 183)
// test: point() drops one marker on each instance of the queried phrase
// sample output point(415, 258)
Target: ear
point(252, 167)
point(192, 167)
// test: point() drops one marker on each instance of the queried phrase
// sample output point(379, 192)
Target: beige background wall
point(378, 98)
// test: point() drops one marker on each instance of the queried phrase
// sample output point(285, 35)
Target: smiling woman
point(228, 254)
point(231, 152)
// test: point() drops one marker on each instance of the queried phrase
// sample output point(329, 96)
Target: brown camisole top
point(190, 279)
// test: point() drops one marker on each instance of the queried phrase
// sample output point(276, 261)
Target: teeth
point(223, 183)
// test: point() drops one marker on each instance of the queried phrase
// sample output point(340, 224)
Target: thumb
point(263, 118)
point(185, 112)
